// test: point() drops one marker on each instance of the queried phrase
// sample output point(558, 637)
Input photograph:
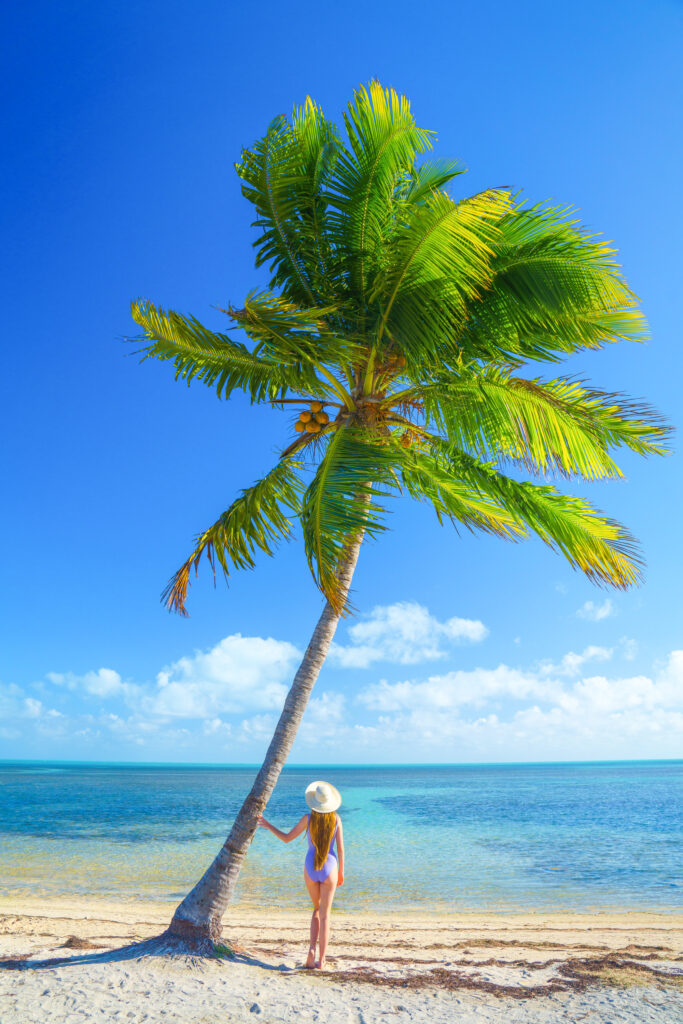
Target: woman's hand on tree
point(262, 822)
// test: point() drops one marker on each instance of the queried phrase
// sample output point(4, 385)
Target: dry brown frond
point(175, 594)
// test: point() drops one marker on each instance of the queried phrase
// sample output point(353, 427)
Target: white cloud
point(323, 722)
point(105, 683)
point(216, 725)
point(458, 689)
point(629, 648)
point(593, 717)
point(572, 663)
point(16, 706)
point(227, 698)
point(34, 708)
point(238, 674)
point(596, 612)
point(404, 633)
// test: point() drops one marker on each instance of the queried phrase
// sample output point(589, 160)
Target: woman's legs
point(314, 892)
point(327, 891)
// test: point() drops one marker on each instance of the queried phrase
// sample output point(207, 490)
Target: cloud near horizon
point(222, 703)
point(240, 673)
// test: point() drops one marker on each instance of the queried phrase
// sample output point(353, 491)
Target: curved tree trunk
point(199, 916)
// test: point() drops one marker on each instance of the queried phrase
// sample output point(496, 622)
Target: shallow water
point(481, 837)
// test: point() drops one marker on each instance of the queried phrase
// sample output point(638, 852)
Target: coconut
point(316, 406)
point(299, 427)
point(313, 427)
point(305, 416)
point(321, 417)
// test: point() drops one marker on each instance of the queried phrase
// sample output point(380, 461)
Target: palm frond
point(555, 289)
point(438, 260)
point(557, 426)
point(383, 142)
point(215, 359)
point(342, 502)
point(319, 143)
point(273, 180)
point(285, 332)
point(600, 548)
point(427, 480)
point(430, 176)
point(258, 519)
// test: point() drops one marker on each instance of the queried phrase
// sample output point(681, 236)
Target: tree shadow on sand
point(166, 947)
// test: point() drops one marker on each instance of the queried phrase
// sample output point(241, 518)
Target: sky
point(121, 126)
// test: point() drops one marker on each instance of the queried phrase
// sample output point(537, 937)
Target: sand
point(65, 961)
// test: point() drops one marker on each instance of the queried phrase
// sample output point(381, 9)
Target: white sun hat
point(323, 797)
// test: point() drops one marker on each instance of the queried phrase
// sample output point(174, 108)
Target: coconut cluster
point(312, 420)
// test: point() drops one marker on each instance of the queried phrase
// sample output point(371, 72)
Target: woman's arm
point(340, 851)
point(286, 837)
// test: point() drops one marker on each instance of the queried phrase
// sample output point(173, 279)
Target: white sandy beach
point(486, 968)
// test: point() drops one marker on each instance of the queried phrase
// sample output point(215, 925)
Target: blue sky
point(123, 126)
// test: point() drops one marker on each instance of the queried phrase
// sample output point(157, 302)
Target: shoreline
point(167, 904)
point(408, 968)
point(131, 907)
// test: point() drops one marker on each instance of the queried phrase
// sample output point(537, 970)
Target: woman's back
point(321, 873)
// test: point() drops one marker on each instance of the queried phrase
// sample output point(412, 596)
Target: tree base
point(195, 946)
point(182, 930)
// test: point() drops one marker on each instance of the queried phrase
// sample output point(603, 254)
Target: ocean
point(493, 838)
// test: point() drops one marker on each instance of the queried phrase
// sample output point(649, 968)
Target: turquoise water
point(467, 838)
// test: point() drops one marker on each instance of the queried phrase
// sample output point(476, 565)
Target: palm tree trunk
point(199, 916)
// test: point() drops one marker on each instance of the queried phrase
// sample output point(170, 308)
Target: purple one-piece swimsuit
point(331, 860)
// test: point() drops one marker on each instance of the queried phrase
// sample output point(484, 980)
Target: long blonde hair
point(321, 826)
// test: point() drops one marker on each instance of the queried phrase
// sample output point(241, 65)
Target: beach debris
point(75, 942)
point(255, 1008)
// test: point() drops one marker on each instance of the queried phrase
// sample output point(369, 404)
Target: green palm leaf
point(318, 142)
point(214, 358)
point(296, 336)
point(273, 180)
point(258, 519)
point(341, 502)
point(555, 290)
point(548, 426)
point(383, 143)
point(438, 260)
point(431, 176)
point(452, 498)
point(602, 549)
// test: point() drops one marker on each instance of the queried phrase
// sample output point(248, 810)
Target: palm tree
point(396, 324)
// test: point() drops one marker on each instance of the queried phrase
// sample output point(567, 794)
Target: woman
point(323, 867)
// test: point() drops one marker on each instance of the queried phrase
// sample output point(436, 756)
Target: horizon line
point(339, 764)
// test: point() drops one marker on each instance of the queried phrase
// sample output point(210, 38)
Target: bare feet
point(310, 959)
point(320, 965)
